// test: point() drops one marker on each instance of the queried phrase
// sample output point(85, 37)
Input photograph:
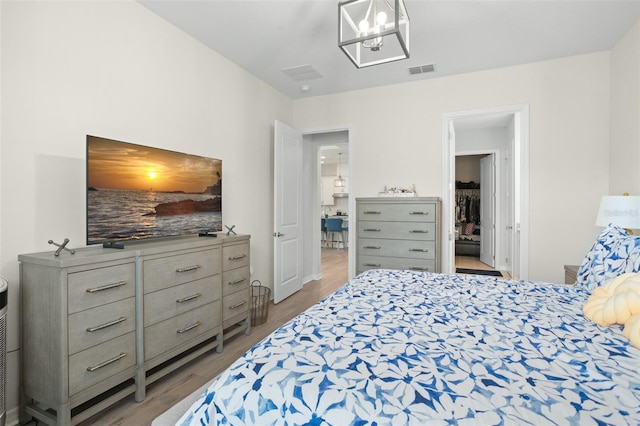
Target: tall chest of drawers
point(102, 324)
point(398, 233)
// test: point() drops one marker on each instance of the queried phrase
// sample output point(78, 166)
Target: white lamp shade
point(623, 211)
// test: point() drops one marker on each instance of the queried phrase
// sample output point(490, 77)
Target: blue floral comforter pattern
point(403, 348)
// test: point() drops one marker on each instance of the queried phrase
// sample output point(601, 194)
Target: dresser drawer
point(235, 304)
point(235, 256)
point(235, 280)
point(94, 326)
point(378, 262)
point(179, 330)
point(100, 362)
point(397, 230)
point(397, 248)
point(164, 304)
point(410, 212)
point(168, 271)
point(97, 287)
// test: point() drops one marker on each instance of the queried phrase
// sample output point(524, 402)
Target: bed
point(403, 347)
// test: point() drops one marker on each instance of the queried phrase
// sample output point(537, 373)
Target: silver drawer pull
point(377, 265)
point(418, 231)
point(107, 362)
point(420, 250)
point(105, 325)
point(371, 212)
point(238, 257)
point(188, 268)
point(186, 299)
point(238, 281)
point(238, 305)
point(191, 327)
point(372, 247)
point(106, 287)
point(422, 213)
point(371, 230)
point(418, 268)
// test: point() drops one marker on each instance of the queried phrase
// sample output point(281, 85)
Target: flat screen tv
point(136, 192)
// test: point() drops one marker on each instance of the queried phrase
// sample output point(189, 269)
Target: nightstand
point(570, 272)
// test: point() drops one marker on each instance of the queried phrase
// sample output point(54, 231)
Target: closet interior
point(467, 218)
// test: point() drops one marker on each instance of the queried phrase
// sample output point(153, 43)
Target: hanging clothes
point(468, 206)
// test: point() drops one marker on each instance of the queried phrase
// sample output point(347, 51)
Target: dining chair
point(334, 226)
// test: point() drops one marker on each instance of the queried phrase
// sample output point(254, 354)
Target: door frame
point(497, 216)
point(521, 184)
point(311, 202)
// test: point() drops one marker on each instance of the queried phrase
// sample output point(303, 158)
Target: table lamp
point(620, 210)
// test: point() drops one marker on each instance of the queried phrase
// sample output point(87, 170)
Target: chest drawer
point(365, 262)
point(235, 256)
point(424, 231)
point(100, 362)
point(178, 330)
point(235, 280)
point(235, 304)
point(96, 287)
point(168, 271)
point(164, 304)
point(399, 212)
point(397, 248)
point(95, 326)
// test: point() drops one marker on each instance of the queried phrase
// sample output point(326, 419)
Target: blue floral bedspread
point(409, 348)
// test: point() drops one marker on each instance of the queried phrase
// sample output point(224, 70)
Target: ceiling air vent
point(422, 69)
point(302, 73)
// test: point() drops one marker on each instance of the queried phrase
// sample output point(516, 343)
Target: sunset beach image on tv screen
point(136, 192)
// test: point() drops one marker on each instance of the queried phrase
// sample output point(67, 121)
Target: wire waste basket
point(260, 296)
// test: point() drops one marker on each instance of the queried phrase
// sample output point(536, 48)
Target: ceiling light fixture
point(372, 32)
point(339, 183)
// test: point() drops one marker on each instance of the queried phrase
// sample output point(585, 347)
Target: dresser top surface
point(131, 250)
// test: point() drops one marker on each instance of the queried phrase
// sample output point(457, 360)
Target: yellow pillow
point(617, 302)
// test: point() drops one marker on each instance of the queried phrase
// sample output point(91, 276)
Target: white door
point(487, 210)
point(287, 212)
point(508, 209)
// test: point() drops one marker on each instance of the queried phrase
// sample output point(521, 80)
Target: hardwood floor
point(472, 262)
point(170, 390)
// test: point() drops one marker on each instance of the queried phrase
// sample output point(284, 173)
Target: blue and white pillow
point(613, 253)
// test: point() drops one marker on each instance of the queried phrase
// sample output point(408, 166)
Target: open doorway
point(475, 211)
point(327, 202)
point(504, 132)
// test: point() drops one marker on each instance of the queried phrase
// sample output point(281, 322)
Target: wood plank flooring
point(170, 390)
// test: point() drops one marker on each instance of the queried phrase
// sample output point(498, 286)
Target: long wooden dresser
point(398, 233)
point(102, 324)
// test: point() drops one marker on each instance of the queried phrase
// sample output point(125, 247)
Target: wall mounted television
point(136, 192)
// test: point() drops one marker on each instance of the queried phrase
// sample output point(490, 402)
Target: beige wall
point(116, 70)
point(468, 168)
point(399, 142)
point(625, 115)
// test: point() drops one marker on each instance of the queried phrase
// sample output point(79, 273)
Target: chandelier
point(372, 32)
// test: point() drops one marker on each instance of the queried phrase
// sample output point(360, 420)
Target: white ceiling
point(265, 36)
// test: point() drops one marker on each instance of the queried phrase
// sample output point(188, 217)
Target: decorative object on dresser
point(398, 192)
point(102, 324)
point(398, 233)
point(61, 247)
